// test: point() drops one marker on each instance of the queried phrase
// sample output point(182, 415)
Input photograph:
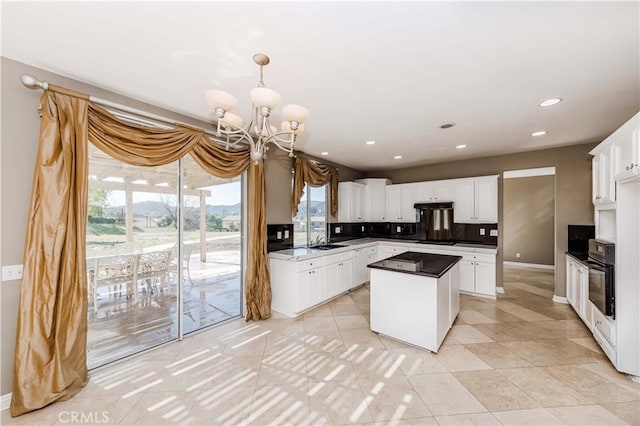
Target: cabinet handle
point(627, 167)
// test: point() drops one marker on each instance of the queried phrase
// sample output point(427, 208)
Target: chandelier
point(259, 133)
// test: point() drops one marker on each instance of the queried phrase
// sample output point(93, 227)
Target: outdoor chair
point(112, 272)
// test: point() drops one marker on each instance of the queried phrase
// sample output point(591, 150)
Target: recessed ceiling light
point(324, 153)
point(397, 157)
point(461, 146)
point(540, 133)
point(550, 102)
point(370, 142)
point(447, 125)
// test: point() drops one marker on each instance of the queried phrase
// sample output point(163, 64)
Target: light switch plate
point(398, 229)
point(482, 231)
point(362, 228)
point(286, 233)
point(337, 229)
point(493, 233)
point(279, 235)
point(11, 272)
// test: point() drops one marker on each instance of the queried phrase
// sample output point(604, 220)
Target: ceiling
point(389, 72)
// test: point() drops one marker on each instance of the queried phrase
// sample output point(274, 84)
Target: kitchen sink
point(326, 246)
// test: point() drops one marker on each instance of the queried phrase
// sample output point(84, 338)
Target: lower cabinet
point(387, 251)
point(311, 288)
point(478, 274)
point(360, 262)
point(578, 289)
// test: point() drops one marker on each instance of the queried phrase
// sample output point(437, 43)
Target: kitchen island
point(415, 297)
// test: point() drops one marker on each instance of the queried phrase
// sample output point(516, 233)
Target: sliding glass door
point(139, 217)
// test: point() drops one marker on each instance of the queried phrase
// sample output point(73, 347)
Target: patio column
point(203, 227)
point(129, 211)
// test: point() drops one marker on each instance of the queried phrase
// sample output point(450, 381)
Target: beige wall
point(572, 189)
point(529, 219)
point(278, 175)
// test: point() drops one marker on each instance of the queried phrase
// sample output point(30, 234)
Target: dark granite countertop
point(425, 264)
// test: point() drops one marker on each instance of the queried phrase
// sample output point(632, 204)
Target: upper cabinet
point(351, 202)
point(400, 201)
point(434, 192)
point(604, 184)
point(476, 200)
point(627, 151)
point(375, 196)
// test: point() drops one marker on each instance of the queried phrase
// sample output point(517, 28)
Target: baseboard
point(500, 290)
point(528, 265)
point(560, 299)
point(5, 401)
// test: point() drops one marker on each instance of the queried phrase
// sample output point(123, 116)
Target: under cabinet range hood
point(437, 219)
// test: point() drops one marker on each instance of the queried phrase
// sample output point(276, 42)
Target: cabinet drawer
point(604, 326)
point(372, 250)
point(304, 265)
point(478, 257)
point(340, 257)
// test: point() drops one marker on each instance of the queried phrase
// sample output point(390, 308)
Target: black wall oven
point(602, 276)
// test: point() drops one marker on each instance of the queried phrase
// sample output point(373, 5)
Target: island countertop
point(425, 264)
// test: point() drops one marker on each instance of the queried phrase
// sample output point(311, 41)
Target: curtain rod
point(33, 83)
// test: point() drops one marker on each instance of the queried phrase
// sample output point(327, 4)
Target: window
point(310, 224)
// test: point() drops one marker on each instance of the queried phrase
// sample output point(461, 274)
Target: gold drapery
point(312, 173)
point(50, 357)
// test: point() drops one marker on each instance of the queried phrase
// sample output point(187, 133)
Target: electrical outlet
point(11, 272)
point(493, 233)
point(482, 231)
point(279, 235)
point(517, 254)
point(286, 234)
point(398, 229)
point(362, 228)
point(337, 230)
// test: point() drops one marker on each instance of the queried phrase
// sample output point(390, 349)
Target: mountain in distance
point(159, 209)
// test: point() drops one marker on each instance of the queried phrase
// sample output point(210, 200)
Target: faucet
point(320, 239)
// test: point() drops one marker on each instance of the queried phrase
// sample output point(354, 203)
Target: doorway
point(529, 228)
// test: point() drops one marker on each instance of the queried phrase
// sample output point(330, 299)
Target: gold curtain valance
point(310, 172)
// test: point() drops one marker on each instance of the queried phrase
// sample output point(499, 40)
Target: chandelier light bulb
point(264, 97)
point(286, 127)
point(220, 99)
point(294, 112)
point(232, 120)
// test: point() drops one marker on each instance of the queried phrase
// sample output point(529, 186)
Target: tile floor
point(519, 360)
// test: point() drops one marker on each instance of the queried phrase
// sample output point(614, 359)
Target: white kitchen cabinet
point(439, 191)
point(311, 289)
point(627, 151)
point(375, 196)
point(578, 289)
point(338, 273)
point(604, 184)
point(360, 262)
point(478, 274)
point(476, 200)
point(399, 203)
point(351, 202)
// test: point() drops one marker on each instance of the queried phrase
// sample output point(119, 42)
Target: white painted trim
point(500, 290)
point(528, 265)
point(541, 171)
point(5, 401)
point(560, 299)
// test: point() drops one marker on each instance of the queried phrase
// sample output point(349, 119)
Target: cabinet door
point(331, 280)
point(375, 201)
point(393, 203)
point(360, 270)
point(423, 192)
point(303, 298)
point(463, 210)
point(577, 290)
point(360, 203)
point(486, 278)
point(345, 275)
point(627, 156)
point(316, 286)
point(467, 275)
point(607, 181)
point(570, 281)
point(442, 191)
point(344, 202)
point(486, 200)
point(595, 180)
point(407, 200)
